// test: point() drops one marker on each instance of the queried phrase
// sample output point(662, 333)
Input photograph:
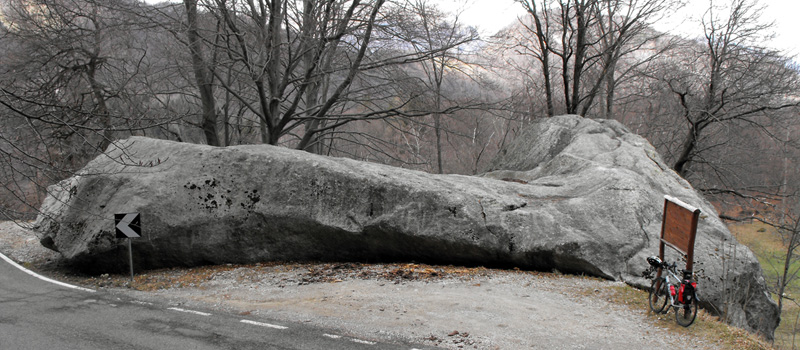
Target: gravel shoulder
point(445, 306)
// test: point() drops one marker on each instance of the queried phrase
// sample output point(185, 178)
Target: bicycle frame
point(681, 292)
point(672, 274)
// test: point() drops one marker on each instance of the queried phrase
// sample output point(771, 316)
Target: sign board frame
point(679, 229)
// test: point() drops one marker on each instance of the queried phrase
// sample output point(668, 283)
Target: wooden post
point(690, 253)
point(661, 241)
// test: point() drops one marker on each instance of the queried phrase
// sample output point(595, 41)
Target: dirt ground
point(445, 306)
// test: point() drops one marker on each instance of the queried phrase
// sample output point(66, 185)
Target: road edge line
point(34, 274)
point(189, 311)
point(262, 324)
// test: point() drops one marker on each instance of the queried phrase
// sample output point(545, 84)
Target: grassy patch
point(770, 250)
point(757, 236)
point(706, 326)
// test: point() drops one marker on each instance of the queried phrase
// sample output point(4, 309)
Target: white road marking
point(34, 274)
point(189, 311)
point(262, 324)
point(354, 340)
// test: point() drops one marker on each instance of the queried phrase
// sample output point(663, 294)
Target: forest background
point(402, 82)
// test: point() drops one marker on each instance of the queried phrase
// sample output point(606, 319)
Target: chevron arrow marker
point(124, 228)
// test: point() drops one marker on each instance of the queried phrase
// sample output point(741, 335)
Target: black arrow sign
point(128, 225)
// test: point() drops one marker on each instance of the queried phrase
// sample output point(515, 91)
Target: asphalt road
point(35, 314)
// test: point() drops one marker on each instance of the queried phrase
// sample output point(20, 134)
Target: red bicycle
point(681, 293)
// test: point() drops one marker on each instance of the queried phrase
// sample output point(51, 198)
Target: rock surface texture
point(572, 194)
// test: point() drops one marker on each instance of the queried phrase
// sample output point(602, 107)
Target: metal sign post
point(128, 226)
point(130, 257)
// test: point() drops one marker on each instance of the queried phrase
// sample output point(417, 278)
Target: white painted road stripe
point(34, 274)
point(189, 311)
point(262, 324)
point(334, 336)
point(354, 340)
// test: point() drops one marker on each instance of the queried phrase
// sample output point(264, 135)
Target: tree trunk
point(544, 58)
point(580, 57)
point(437, 119)
point(784, 281)
point(682, 163)
point(785, 274)
point(264, 120)
point(438, 130)
point(204, 82)
point(548, 85)
point(610, 86)
point(100, 109)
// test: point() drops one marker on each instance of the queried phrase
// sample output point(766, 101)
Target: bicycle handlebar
point(655, 262)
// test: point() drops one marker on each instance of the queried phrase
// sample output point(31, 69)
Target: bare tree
point(728, 80)
point(789, 230)
point(69, 84)
point(585, 40)
point(627, 42)
point(67, 41)
point(304, 69)
point(286, 49)
point(202, 75)
point(441, 40)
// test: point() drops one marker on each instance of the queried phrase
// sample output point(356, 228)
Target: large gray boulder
point(572, 194)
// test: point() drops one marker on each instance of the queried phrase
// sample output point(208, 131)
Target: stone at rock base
point(572, 194)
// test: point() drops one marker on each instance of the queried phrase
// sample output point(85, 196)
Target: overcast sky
point(492, 15)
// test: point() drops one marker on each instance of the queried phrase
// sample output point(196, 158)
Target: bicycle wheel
point(686, 313)
point(658, 295)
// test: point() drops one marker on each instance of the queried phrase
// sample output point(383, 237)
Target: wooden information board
point(679, 228)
